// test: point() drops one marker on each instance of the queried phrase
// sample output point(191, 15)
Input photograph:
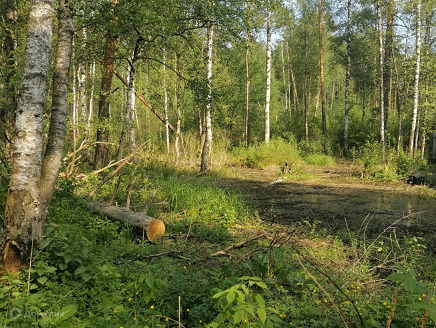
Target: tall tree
point(59, 110)
point(25, 213)
point(102, 150)
point(128, 129)
point(207, 145)
point(413, 128)
point(321, 76)
point(387, 65)
point(347, 78)
point(380, 66)
point(268, 71)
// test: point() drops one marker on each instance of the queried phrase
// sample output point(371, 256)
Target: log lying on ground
point(153, 228)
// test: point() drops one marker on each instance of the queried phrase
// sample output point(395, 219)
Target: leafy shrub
point(239, 306)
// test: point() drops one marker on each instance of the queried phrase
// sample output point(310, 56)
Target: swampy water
point(334, 199)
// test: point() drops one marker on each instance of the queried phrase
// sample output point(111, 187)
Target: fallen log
point(153, 228)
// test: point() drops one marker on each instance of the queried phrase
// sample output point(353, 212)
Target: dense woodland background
point(125, 102)
point(378, 63)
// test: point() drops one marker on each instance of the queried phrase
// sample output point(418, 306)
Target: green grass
point(320, 159)
point(277, 151)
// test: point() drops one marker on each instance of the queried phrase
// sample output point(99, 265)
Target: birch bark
point(24, 214)
point(207, 146)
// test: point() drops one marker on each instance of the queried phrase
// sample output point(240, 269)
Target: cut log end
point(155, 229)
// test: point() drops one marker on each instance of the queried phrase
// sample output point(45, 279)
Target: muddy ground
point(338, 201)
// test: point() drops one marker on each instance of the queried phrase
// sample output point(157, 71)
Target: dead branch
point(107, 178)
point(234, 246)
point(150, 201)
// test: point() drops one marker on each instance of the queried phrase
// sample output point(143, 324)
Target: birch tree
point(380, 66)
point(387, 65)
point(32, 182)
point(268, 71)
point(413, 128)
point(321, 76)
point(102, 150)
point(347, 78)
point(207, 145)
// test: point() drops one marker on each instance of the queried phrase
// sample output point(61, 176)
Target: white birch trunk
point(24, 216)
point(91, 98)
point(382, 111)
point(268, 74)
point(347, 79)
point(167, 129)
point(177, 112)
point(205, 165)
point(247, 90)
point(413, 129)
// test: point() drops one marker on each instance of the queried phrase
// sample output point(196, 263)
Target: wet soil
point(336, 200)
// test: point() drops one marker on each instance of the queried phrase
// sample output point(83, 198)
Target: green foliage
point(277, 151)
point(241, 307)
point(416, 295)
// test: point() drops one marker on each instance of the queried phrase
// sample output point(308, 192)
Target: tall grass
point(277, 151)
point(203, 202)
point(320, 159)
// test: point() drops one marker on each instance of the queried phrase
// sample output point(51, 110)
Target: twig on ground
point(234, 246)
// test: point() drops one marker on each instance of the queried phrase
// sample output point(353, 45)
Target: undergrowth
point(218, 265)
point(277, 151)
point(92, 272)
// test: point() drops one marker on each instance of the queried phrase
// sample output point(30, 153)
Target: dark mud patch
point(337, 201)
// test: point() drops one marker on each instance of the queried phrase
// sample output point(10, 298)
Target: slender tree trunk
point(176, 106)
point(247, 90)
point(91, 99)
point(268, 73)
point(164, 80)
point(381, 84)
point(400, 121)
point(56, 136)
point(306, 115)
point(102, 150)
point(81, 79)
point(387, 67)
point(292, 80)
point(347, 79)
point(128, 131)
point(321, 77)
point(207, 146)
point(284, 79)
point(413, 129)
point(24, 215)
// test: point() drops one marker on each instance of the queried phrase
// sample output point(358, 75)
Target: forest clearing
point(243, 247)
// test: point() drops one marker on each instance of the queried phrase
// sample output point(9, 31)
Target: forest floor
point(333, 198)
